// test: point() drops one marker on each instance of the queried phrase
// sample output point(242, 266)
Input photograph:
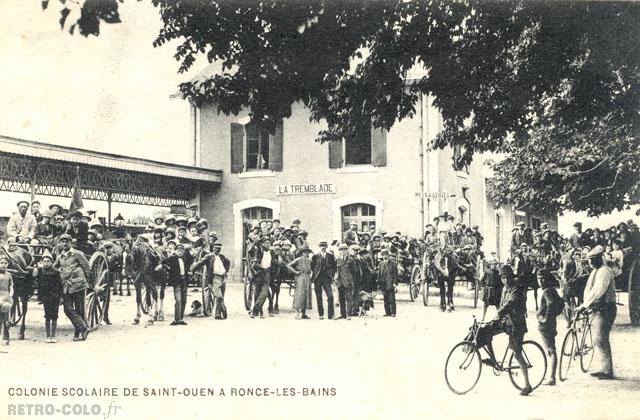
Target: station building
point(390, 179)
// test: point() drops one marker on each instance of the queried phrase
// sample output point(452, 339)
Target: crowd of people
point(589, 265)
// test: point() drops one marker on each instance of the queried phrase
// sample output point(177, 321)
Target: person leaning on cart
point(74, 270)
point(600, 297)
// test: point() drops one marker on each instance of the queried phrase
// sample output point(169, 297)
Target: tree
point(553, 85)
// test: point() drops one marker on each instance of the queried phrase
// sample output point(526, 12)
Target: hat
point(144, 237)
point(475, 227)
point(158, 229)
point(22, 201)
point(93, 232)
point(158, 217)
point(202, 222)
point(170, 217)
point(323, 243)
point(182, 228)
point(597, 250)
point(343, 246)
point(577, 224)
point(46, 213)
point(178, 245)
point(353, 224)
point(65, 236)
point(181, 219)
point(118, 217)
point(544, 226)
point(95, 223)
point(355, 247)
point(75, 213)
point(375, 235)
point(520, 224)
point(58, 206)
point(302, 249)
point(524, 245)
point(212, 233)
point(295, 222)
point(303, 233)
point(192, 221)
point(193, 207)
point(107, 244)
point(47, 254)
point(506, 270)
point(217, 244)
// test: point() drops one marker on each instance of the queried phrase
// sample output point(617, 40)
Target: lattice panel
point(57, 179)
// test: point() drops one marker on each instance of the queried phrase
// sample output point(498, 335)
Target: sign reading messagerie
point(305, 189)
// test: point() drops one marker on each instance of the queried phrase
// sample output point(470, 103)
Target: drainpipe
point(422, 169)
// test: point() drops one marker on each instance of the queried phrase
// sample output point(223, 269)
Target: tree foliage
point(553, 85)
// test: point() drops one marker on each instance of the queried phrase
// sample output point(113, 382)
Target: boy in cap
point(49, 285)
point(35, 210)
point(388, 282)
point(551, 305)
point(44, 229)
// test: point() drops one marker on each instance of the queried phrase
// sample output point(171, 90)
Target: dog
point(196, 308)
point(367, 301)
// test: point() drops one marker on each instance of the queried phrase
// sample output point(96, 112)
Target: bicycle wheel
point(414, 283)
point(425, 293)
point(463, 367)
point(567, 354)
point(586, 351)
point(536, 362)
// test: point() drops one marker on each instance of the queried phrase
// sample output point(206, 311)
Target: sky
point(108, 93)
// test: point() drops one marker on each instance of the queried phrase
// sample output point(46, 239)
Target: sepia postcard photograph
point(319, 209)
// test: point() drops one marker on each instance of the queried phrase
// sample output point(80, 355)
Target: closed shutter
point(378, 147)
point(237, 152)
point(335, 154)
point(275, 149)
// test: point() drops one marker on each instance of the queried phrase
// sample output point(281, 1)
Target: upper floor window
point(458, 160)
point(257, 150)
point(255, 147)
point(357, 150)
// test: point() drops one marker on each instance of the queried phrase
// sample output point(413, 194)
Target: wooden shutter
point(237, 148)
point(275, 149)
point(335, 154)
point(378, 147)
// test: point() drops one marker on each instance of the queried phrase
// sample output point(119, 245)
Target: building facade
point(389, 179)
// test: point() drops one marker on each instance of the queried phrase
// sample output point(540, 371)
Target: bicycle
point(464, 363)
point(577, 343)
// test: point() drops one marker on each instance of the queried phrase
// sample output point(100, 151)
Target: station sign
point(305, 189)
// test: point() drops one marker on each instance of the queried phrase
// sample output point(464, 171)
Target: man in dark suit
point(323, 268)
point(388, 281)
point(178, 268)
point(344, 277)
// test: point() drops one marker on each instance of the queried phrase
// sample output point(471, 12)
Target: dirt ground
point(373, 367)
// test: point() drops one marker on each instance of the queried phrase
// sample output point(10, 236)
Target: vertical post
point(32, 182)
point(109, 201)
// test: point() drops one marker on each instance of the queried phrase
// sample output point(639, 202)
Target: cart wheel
point(414, 283)
point(145, 304)
point(15, 316)
point(634, 293)
point(248, 290)
point(425, 292)
point(98, 292)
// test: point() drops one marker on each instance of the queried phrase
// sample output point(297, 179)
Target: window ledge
point(257, 174)
point(357, 169)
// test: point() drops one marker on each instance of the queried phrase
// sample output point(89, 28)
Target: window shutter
point(275, 149)
point(237, 152)
point(378, 147)
point(335, 154)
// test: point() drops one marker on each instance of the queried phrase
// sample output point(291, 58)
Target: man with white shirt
point(261, 265)
point(217, 270)
point(21, 227)
point(600, 297)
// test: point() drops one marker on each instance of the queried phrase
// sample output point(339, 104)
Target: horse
point(145, 261)
point(20, 261)
point(446, 272)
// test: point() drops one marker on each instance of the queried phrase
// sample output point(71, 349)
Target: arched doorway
point(257, 209)
point(363, 209)
point(364, 215)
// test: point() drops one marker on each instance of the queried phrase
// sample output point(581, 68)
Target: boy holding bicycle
point(551, 306)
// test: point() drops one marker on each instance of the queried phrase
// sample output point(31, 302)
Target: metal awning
point(106, 160)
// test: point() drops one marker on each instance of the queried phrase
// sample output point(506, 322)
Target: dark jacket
point(79, 232)
point(49, 284)
point(257, 258)
point(367, 280)
point(387, 275)
point(323, 269)
point(345, 271)
point(74, 270)
point(172, 265)
point(208, 260)
point(351, 237)
point(513, 310)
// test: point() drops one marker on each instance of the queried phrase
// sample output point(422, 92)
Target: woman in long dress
point(301, 267)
